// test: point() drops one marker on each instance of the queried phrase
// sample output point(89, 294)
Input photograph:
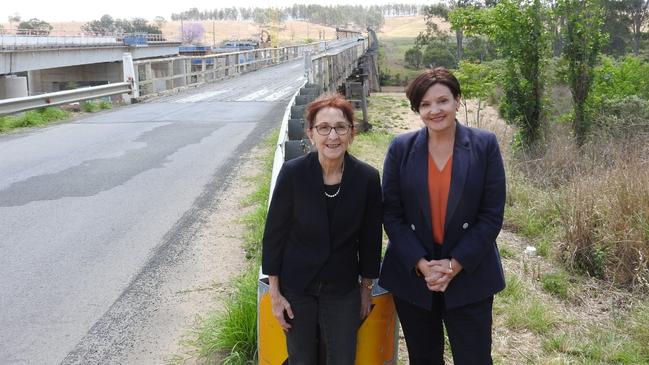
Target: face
point(438, 107)
point(333, 145)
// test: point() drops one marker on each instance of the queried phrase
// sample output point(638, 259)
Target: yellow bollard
point(377, 341)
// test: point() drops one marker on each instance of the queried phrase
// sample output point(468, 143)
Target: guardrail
point(154, 76)
point(16, 105)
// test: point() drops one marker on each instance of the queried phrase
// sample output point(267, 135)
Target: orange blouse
point(439, 185)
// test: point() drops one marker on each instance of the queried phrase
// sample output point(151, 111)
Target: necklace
point(334, 194)
point(342, 170)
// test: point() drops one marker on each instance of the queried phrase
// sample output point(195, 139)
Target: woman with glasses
point(322, 240)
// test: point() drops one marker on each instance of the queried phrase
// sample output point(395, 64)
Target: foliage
point(32, 118)
point(622, 118)
point(106, 25)
point(478, 81)
point(516, 27)
point(615, 80)
point(34, 26)
point(192, 32)
point(583, 42)
point(338, 15)
point(413, 58)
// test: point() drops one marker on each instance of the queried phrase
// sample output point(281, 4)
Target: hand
point(366, 298)
point(281, 305)
point(441, 274)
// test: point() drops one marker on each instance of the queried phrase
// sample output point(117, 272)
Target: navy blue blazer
point(297, 243)
point(474, 217)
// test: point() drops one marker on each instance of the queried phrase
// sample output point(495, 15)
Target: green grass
point(90, 106)
point(33, 118)
point(233, 331)
point(371, 147)
point(393, 50)
point(555, 284)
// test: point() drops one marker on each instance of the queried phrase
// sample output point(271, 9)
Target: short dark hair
point(419, 85)
point(332, 100)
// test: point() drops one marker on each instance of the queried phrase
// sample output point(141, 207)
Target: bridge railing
point(16, 40)
point(330, 69)
point(155, 76)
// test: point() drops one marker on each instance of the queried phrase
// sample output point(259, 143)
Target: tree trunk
point(459, 37)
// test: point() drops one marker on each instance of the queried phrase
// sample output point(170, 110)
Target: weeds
point(33, 118)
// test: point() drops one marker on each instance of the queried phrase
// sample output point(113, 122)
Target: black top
point(301, 241)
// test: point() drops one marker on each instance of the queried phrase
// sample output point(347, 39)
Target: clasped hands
point(438, 273)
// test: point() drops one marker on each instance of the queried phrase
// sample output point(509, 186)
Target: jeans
point(323, 319)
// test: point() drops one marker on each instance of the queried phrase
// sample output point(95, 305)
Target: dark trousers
point(468, 328)
point(331, 318)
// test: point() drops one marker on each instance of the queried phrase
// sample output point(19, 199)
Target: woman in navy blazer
point(444, 198)
point(322, 232)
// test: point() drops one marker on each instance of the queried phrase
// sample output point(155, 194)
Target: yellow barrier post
point(378, 336)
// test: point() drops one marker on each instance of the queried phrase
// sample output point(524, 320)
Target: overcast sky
point(77, 10)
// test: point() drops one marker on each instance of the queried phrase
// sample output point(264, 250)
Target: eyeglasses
point(325, 129)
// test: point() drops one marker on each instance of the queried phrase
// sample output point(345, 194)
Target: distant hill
point(291, 31)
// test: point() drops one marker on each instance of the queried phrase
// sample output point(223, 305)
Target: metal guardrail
point(16, 105)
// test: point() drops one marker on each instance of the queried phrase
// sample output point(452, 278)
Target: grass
point(391, 59)
point(232, 332)
point(33, 118)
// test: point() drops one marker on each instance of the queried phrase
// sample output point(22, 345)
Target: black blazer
point(474, 217)
point(296, 243)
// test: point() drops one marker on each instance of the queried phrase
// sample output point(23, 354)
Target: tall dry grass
point(594, 200)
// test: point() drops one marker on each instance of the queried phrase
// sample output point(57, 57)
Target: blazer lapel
point(419, 170)
point(461, 164)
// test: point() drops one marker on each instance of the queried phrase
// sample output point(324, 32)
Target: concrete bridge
point(33, 65)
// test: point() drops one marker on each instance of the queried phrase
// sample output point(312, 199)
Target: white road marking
point(253, 96)
point(277, 95)
point(199, 97)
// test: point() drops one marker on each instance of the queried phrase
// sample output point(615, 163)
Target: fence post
point(130, 76)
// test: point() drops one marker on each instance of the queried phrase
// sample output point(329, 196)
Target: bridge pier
point(13, 86)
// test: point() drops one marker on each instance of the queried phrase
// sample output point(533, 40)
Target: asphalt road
point(93, 212)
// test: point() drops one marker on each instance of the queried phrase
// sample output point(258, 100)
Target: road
point(94, 212)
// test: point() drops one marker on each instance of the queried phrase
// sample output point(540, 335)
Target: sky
point(77, 10)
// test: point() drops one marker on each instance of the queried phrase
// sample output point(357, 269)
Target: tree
point(477, 80)
point(159, 21)
point(583, 41)
point(15, 18)
point(413, 58)
point(192, 32)
point(106, 25)
point(517, 29)
point(34, 26)
point(638, 11)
